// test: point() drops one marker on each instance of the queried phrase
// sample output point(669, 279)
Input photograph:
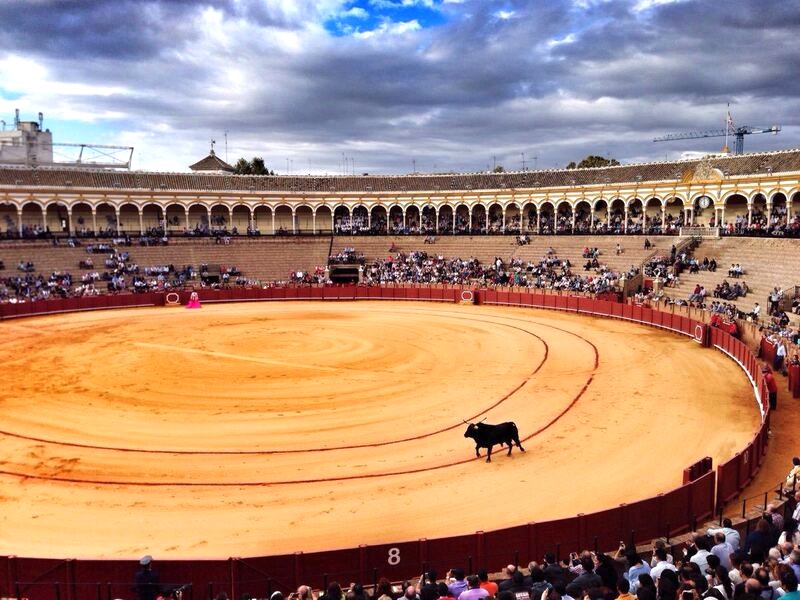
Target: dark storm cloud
point(555, 79)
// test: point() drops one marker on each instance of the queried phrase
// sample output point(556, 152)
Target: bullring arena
point(318, 427)
point(315, 425)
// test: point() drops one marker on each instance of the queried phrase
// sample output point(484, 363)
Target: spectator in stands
point(304, 592)
point(636, 567)
point(474, 590)
point(759, 541)
point(789, 585)
point(588, 579)
point(623, 590)
point(334, 592)
point(146, 580)
point(384, 589)
point(794, 477)
point(646, 590)
point(662, 564)
point(490, 586)
point(456, 582)
point(699, 551)
point(538, 584)
point(519, 587)
point(731, 535)
point(722, 550)
point(553, 572)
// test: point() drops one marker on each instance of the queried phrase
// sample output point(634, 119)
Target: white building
point(26, 144)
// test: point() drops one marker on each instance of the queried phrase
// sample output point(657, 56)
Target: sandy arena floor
point(265, 428)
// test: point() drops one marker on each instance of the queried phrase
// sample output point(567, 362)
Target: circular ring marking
point(698, 332)
point(467, 296)
point(172, 298)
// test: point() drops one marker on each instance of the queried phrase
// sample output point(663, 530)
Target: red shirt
point(772, 385)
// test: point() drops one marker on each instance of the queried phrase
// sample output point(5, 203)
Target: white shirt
point(700, 559)
point(660, 567)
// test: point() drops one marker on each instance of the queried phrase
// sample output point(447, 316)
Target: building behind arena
point(658, 197)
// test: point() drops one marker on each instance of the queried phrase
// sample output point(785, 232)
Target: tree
point(257, 166)
point(252, 167)
point(242, 167)
point(593, 161)
point(499, 169)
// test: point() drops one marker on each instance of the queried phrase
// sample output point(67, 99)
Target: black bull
point(486, 436)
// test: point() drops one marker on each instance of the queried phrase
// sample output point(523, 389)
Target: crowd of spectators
point(719, 564)
point(119, 273)
point(550, 272)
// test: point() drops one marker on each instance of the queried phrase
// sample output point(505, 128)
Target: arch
point(530, 214)
point(262, 220)
point(616, 215)
point(379, 219)
point(240, 219)
point(494, 218)
point(412, 219)
point(303, 219)
point(341, 220)
point(428, 219)
point(360, 219)
point(284, 219)
point(793, 206)
point(198, 219)
point(177, 217)
point(734, 212)
point(106, 218)
point(583, 216)
point(323, 218)
point(9, 219)
point(600, 215)
point(547, 212)
point(152, 217)
point(478, 221)
point(674, 215)
point(446, 215)
point(513, 218)
point(57, 217)
point(653, 215)
point(635, 222)
point(220, 217)
point(563, 216)
point(82, 221)
point(32, 220)
point(462, 219)
point(396, 219)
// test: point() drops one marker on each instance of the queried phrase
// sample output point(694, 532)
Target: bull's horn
point(482, 420)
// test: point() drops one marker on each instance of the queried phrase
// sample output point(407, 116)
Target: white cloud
point(504, 15)
point(355, 12)
point(389, 27)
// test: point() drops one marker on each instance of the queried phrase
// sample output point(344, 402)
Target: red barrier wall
point(666, 514)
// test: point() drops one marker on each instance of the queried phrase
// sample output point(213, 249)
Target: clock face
point(705, 202)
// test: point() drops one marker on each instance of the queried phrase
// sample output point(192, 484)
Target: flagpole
point(727, 124)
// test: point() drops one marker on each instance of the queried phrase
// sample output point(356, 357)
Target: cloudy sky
point(393, 85)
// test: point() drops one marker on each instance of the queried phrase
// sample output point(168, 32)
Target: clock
point(705, 202)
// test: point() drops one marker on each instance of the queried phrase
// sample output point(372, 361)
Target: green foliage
point(255, 166)
point(593, 161)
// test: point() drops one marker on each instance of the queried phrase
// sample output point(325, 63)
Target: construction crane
point(736, 132)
